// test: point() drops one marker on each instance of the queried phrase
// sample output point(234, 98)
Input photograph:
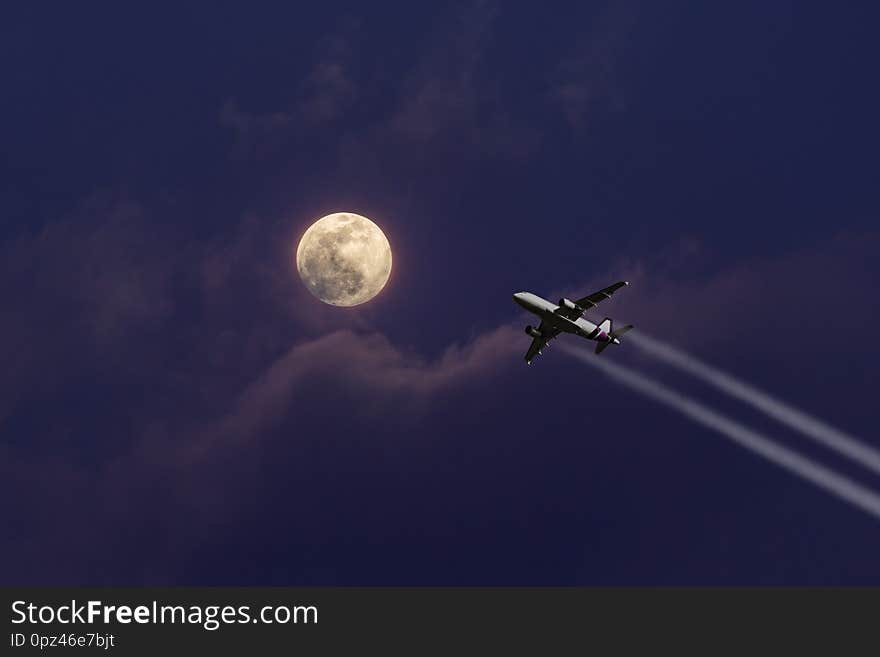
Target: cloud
point(238, 392)
point(254, 132)
point(321, 98)
point(453, 99)
point(181, 474)
point(371, 367)
point(448, 99)
point(445, 89)
point(775, 301)
point(588, 77)
point(106, 257)
point(91, 286)
point(146, 376)
point(329, 90)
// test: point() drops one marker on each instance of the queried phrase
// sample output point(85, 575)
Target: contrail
point(805, 468)
point(809, 426)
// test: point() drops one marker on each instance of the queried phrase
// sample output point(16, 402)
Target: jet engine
point(535, 333)
point(571, 305)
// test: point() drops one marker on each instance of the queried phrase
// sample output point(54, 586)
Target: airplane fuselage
point(548, 312)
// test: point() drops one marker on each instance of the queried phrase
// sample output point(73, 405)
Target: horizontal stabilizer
point(614, 335)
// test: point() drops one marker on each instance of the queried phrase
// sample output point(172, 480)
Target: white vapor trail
point(832, 482)
point(809, 426)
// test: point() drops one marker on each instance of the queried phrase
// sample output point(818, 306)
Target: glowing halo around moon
point(344, 259)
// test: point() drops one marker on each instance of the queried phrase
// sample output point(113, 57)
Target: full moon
point(344, 259)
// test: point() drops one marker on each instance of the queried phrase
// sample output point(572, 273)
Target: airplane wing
point(591, 300)
point(538, 344)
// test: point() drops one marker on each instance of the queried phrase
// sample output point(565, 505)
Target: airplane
point(567, 318)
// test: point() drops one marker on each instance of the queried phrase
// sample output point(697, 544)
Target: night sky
point(176, 408)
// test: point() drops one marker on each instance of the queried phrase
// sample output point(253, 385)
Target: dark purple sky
point(175, 408)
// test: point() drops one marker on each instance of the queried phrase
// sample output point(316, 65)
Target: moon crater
point(344, 259)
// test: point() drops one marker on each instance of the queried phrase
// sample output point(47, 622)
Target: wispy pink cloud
point(237, 385)
point(324, 96)
point(588, 77)
point(778, 301)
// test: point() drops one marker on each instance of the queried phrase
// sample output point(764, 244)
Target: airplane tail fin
point(605, 325)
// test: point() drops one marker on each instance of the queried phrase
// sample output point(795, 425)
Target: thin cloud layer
point(322, 98)
point(588, 77)
point(219, 416)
